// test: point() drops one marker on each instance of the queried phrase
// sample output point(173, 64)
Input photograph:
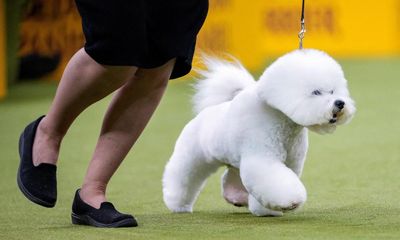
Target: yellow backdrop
point(253, 31)
point(259, 29)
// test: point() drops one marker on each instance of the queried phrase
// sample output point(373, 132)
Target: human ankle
point(50, 133)
point(46, 146)
point(93, 194)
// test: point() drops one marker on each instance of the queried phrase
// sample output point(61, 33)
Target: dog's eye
point(316, 92)
point(331, 91)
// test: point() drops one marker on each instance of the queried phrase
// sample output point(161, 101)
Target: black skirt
point(142, 33)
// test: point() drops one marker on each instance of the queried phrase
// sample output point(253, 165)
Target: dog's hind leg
point(232, 188)
point(184, 177)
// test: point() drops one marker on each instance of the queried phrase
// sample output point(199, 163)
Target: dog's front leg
point(271, 184)
point(297, 153)
point(259, 210)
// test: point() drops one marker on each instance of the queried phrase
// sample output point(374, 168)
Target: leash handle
point(303, 28)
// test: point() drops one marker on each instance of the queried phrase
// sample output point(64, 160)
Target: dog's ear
point(283, 97)
point(323, 129)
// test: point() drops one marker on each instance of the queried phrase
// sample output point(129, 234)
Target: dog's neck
point(284, 120)
point(292, 127)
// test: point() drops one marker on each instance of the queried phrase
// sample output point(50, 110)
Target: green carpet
point(352, 177)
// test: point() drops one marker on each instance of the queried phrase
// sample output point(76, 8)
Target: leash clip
point(301, 34)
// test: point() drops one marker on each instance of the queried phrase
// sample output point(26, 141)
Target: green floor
point(352, 177)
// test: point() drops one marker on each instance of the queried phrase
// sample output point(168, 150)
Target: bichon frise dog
point(258, 130)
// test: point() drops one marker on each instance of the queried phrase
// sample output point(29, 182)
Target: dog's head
point(309, 87)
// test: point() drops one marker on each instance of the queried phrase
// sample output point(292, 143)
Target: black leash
point(303, 28)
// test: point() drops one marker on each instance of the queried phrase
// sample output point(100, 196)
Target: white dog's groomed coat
point(258, 129)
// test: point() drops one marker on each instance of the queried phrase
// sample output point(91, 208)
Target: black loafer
point(105, 216)
point(38, 184)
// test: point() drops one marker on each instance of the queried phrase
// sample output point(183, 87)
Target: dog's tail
point(221, 82)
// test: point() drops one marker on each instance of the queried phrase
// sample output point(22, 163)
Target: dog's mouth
point(336, 114)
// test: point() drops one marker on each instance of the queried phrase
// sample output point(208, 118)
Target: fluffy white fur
point(258, 130)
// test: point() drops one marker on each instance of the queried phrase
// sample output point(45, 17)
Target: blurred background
point(352, 176)
point(38, 37)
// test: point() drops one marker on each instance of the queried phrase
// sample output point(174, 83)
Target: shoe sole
point(21, 186)
point(86, 220)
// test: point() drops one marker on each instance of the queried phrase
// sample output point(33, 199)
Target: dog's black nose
point(339, 104)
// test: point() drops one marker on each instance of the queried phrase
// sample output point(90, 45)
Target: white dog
point(258, 130)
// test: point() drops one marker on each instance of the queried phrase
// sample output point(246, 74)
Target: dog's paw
point(259, 210)
point(284, 197)
point(177, 205)
point(282, 201)
point(286, 203)
point(182, 209)
point(286, 207)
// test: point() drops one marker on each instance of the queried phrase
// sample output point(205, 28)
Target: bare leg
point(126, 117)
point(84, 82)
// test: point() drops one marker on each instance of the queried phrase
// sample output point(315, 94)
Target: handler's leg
point(126, 117)
point(84, 82)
